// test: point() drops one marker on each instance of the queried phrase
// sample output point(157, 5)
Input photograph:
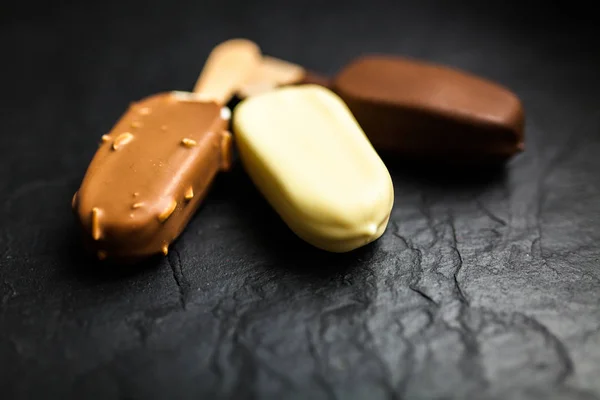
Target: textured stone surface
point(485, 285)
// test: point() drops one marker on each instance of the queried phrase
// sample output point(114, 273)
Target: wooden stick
point(228, 66)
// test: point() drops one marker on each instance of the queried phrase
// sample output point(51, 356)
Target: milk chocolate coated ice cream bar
point(416, 109)
point(153, 169)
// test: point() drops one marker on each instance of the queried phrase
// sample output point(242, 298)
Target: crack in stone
point(397, 234)
point(174, 260)
point(461, 294)
point(459, 261)
point(489, 214)
point(423, 295)
point(416, 275)
point(470, 360)
point(555, 342)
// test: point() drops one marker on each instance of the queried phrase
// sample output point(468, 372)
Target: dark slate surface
point(484, 285)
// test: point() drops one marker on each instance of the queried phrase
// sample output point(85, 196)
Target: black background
point(484, 285)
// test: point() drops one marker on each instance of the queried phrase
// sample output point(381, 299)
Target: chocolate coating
point(150, 174)
point(427, 111)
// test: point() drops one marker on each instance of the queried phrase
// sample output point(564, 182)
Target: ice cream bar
point(154, 168)
point(417, 109)
point(312, 162)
